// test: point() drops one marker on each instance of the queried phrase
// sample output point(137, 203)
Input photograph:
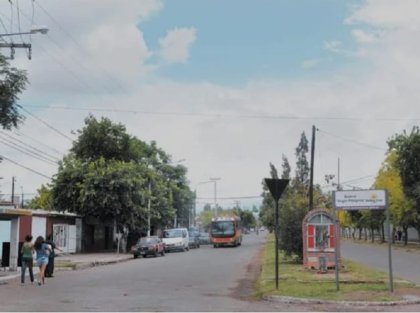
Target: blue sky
point(216, 61)
point(241, 40)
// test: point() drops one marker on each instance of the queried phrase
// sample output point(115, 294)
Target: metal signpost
point(366, 200)
point(276, 187)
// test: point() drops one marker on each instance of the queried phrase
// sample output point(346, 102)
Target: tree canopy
point(12, 82)
point(111, 175)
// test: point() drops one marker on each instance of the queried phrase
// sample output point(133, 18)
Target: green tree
point(114, 176)
point(389, 178)
point(407, 149)
point(43, 199)
point(108, 140)
point(12, 83)
point(247, 218)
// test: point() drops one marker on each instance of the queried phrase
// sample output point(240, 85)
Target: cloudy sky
point(229, 86)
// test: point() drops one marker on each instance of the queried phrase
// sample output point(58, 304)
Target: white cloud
point(309, 63)
point(364, 36)
point(237, 131)
point(387, 14)
point(176, 44)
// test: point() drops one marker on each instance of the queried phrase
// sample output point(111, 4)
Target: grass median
point(357, 282)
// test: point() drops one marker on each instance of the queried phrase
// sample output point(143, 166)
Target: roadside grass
point(357, 282)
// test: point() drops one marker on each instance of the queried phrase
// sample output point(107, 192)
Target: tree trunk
point(383, 233)
point(372, 232)
point(405, 235)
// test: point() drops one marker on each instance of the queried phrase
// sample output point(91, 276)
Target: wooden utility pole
point(311, 182)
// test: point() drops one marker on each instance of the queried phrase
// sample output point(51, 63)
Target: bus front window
point(222, 229)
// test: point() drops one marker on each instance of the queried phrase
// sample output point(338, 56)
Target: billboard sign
point(360, 199)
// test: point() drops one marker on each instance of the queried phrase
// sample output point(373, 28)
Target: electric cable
point(25, 167)
point(45, 123)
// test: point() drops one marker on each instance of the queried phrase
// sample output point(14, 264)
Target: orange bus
point(225, 231)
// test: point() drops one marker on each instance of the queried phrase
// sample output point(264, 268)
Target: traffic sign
point(276, 186)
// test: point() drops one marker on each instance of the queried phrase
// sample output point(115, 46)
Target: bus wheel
point(214, 246)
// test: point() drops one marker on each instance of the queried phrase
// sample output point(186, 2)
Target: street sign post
point(276, 187)
point(375, 199)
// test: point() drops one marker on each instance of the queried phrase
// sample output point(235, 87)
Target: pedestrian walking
point(27, 259)
point(49, 271)
point(42, 252)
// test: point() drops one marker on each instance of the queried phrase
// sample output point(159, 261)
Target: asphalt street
point(405, 265)
point(202, 279)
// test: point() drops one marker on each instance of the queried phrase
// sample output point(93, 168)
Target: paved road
point(404, 264)
point(199, 280)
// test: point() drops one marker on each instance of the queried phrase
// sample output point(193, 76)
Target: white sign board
point(360, 199)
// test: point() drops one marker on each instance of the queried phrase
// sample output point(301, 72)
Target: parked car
point(152, 245)
point(176, 239)
point(194, 241)
point(204, 238)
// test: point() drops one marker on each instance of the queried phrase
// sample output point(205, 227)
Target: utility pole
point(12, 45)
point(311, 182)
point(21, 188)
point(214, 180)
point(148, 208)
point(13, 190)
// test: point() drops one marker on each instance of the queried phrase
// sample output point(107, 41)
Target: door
point(71, 239)
point(39, 227)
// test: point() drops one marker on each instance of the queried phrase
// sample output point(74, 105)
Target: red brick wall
point(25, 227)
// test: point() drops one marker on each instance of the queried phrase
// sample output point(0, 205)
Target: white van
point(176, 239)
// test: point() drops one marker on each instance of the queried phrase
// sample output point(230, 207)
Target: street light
point(214, 180)
point(34, 30)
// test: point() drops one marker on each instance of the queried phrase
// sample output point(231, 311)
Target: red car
point(152, 245)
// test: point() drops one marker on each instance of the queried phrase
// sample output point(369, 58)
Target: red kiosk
point(319, 240)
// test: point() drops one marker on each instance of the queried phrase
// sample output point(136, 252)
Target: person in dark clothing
point(399, 234)
point(49, 271)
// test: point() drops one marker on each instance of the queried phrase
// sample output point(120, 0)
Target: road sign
point(360, 199)
point(276, 186)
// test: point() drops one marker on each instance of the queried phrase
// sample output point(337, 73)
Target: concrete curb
point(77, 266)
point(82, 266)
point(409, 299)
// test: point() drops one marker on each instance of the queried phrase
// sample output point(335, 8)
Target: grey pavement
point(73, 261)
point(405, 264)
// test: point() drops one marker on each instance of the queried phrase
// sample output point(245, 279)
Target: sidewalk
point(65, 262)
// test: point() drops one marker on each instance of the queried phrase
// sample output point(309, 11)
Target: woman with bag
point(27, 259)
point(43, 250)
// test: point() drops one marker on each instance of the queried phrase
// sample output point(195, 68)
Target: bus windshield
point(223, 228)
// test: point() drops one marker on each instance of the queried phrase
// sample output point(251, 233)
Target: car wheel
point(135, 256)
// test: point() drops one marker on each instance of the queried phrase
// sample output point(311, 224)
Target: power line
point(76, 43)
point(48, 156)
point(25, 167)
point(352, 140)
point(18, 133)
point(31, 154)
point(219, 115)
point(45, 123)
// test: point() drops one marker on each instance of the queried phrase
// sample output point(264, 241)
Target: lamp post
point(34, 30)
point(214, 180)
